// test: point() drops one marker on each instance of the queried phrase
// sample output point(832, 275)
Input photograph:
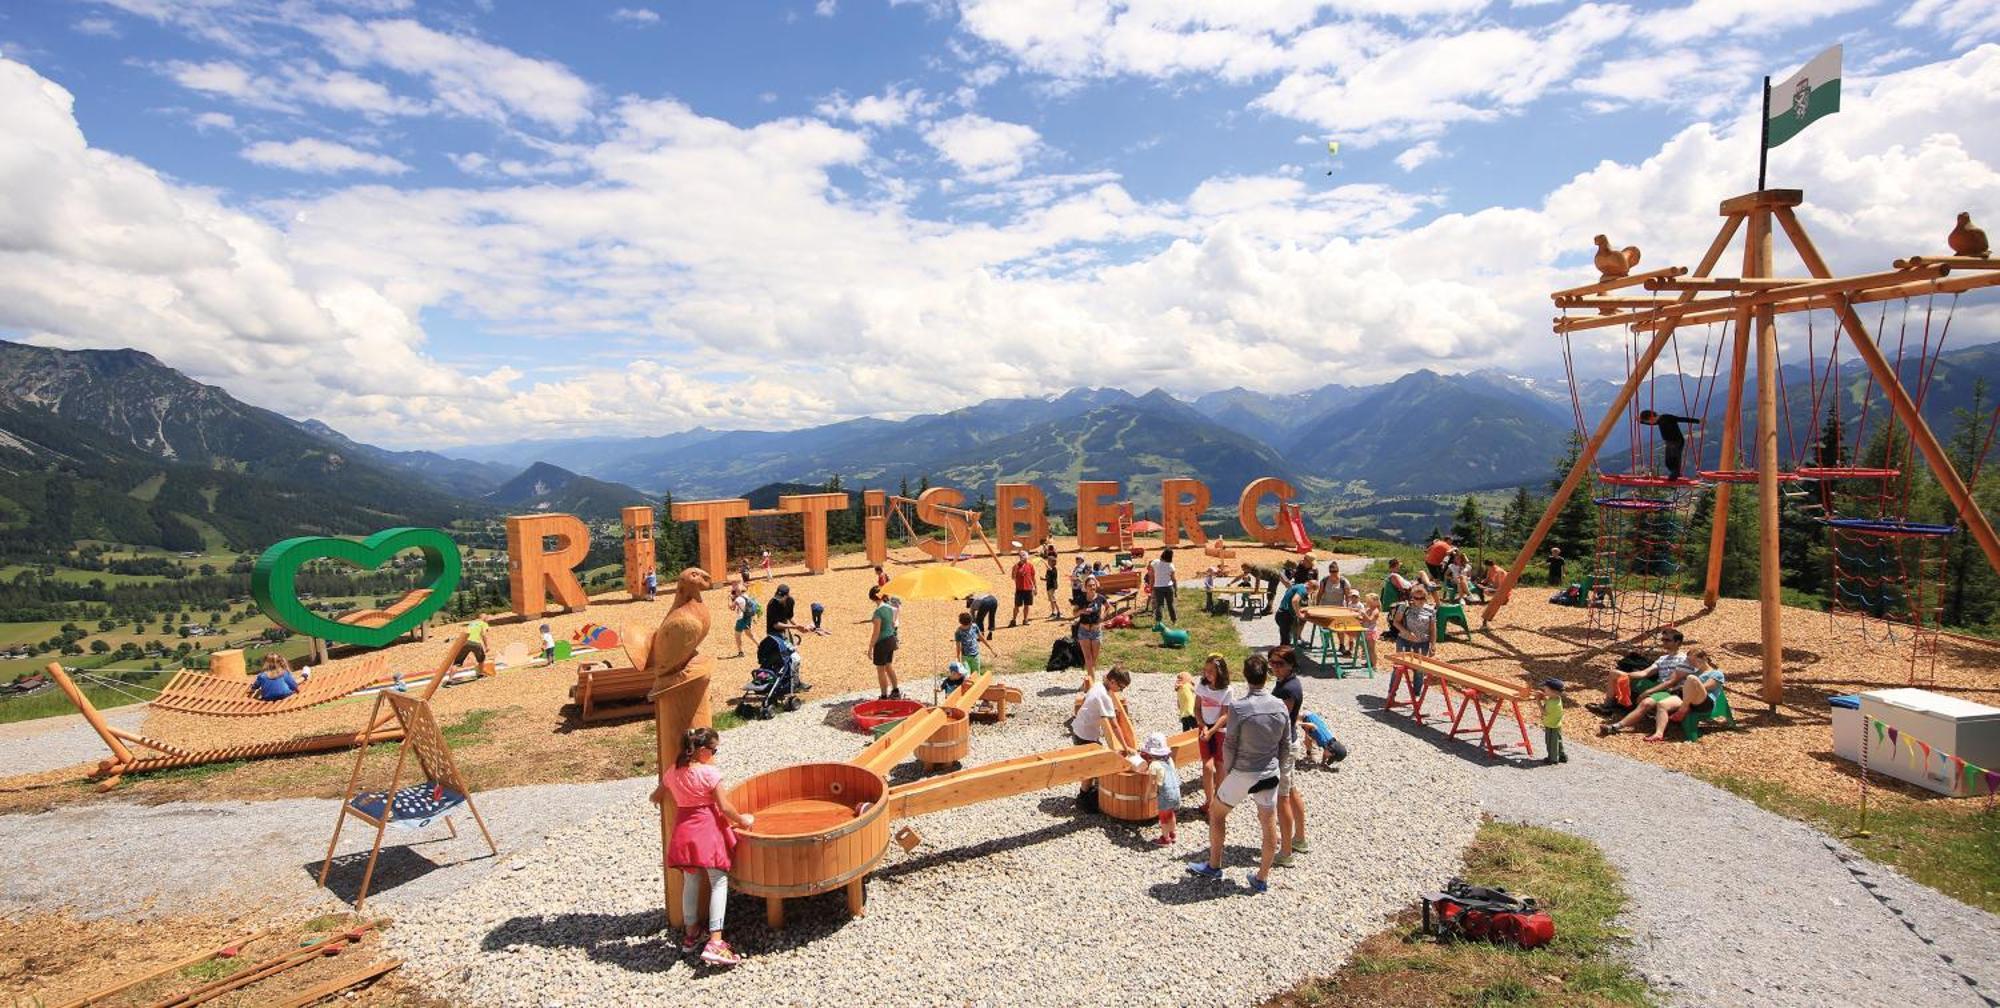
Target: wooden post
point(813, 509)
point(1182, 502)
point(1770, 569)
point(640, 556)
point(1022, 514)
point(533, 574)
point(875, 525)
point(712, 530)
point(1899, 399)
point(1756, 263)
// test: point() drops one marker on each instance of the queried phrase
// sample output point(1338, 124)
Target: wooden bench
point(1116, 582)
point(602, 694)
point(1474, 690)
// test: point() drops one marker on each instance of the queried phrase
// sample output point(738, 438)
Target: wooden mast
point(1769, 570)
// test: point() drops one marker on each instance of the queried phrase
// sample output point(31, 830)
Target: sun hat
point(1156, 745)
point(1015, 543)
point(955, 668)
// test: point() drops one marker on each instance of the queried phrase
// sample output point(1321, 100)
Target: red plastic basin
point(869, 713)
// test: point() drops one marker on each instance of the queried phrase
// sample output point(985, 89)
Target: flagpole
point(1764, 134)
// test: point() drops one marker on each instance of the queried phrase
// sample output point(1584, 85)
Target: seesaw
point(825, 826)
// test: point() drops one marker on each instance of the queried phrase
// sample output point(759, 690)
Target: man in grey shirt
point(1256, 733)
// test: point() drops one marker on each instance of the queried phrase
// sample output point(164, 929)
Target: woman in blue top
point(274, 681)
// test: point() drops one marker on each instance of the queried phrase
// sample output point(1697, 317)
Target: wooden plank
point(1007, 778)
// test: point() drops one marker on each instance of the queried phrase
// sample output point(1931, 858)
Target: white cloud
point(290, 85)
point(653, 291)
point(825, 8)
point(467, 75)
point(102, 27)
point(636, 15)
point(206, 121)
point(323, 157)
point(219, 77)
point(982, 149)
point(1418, 155)
point(1705, 18)
point(1418, 87)
point(1709, 81)
point(893, 107)
point(1965, 22)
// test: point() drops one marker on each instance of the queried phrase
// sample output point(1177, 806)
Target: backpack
point(1570, 596)
point(751, 607)
point(1634, 661)
point(1064, 654)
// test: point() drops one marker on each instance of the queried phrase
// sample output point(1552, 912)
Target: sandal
point(1607, 729)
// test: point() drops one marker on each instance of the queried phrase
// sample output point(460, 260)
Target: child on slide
point(702, 841)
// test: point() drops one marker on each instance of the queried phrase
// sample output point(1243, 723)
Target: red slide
point(1294, 522)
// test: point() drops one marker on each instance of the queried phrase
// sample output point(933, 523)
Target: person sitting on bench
point(1693, 686)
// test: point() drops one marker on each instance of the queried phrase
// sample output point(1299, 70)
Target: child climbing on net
point(702, 841)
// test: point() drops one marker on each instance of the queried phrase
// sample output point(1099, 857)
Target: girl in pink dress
point(702, 840)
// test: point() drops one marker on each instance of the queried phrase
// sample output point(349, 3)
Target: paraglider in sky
point(1332, 151)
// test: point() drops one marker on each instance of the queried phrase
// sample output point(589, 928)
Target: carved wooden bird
point(1614, 263)
point(681, 633)
point(1967, 240)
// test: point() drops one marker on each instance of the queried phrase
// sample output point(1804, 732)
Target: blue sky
point(431, 223)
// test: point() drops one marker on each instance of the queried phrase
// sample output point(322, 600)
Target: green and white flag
point(1803, 98)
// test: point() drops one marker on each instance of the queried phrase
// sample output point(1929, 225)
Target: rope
point(118, 686)
point(1980, 459)
point(1569, 371)
point(1868, 394)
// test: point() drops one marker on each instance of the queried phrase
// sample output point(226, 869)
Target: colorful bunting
point(1970, 777)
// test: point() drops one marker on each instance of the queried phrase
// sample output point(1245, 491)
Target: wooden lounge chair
point(213, 696)
point(602, 694)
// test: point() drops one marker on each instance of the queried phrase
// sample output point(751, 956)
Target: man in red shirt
point(1024, 589)
point(1434, 558)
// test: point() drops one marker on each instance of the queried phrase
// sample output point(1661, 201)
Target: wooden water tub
point(949, 743)
point(1128, 795)
point(819, 827)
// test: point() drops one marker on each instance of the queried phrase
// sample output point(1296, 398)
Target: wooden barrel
point(1128, 795)
point(819, 826)
point(950, 743)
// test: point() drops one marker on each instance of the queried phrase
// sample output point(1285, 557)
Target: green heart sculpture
point(274, 581)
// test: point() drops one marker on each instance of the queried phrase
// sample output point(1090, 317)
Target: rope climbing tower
point(1656, 304)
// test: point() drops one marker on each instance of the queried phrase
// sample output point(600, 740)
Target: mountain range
point(115, 445)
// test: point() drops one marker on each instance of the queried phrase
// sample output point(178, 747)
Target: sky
point(431, 224)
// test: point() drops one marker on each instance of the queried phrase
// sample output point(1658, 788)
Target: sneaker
point(1299, 847)
point(717, 953)
point(1281, 861)
point(896, 694)
point(1163, 841)
point(692, 943)
point(1204, 870)
point(1258, 885)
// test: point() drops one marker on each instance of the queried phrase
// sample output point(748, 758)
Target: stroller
point(775, 685)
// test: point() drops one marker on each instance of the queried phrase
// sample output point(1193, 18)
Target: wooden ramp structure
point(208, 695)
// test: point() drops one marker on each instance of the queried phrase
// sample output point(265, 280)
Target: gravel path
point(100, 859)
point(1017, 901)
point(51, 743)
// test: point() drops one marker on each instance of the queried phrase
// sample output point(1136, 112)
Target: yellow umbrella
point(936, 581)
